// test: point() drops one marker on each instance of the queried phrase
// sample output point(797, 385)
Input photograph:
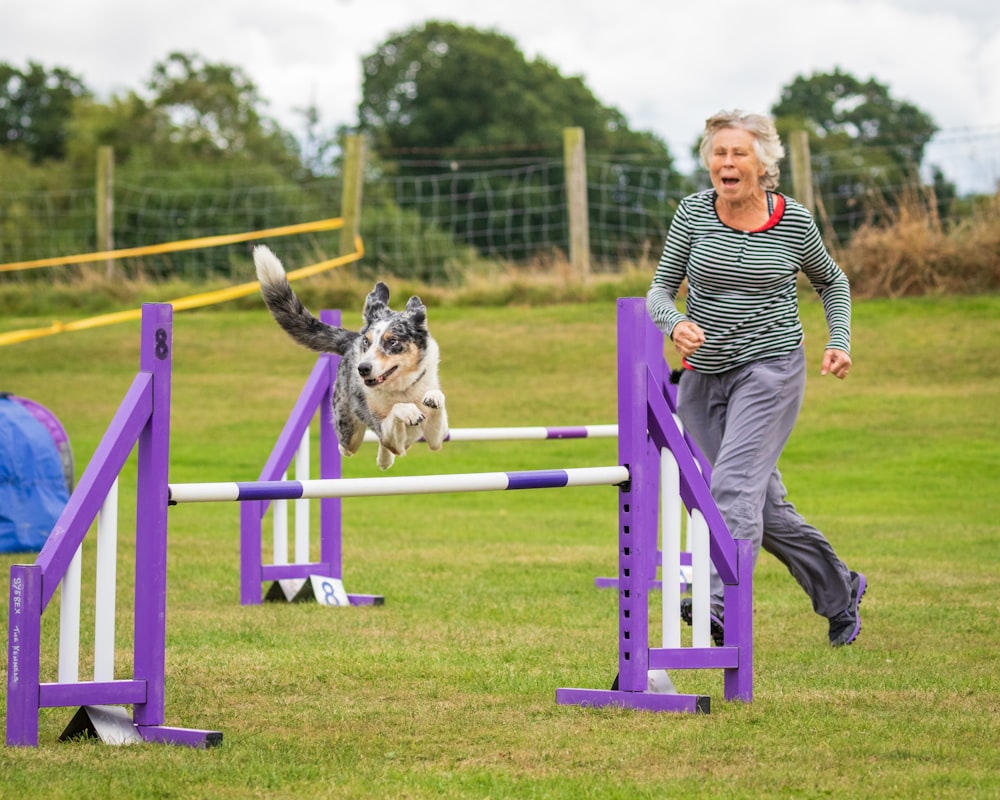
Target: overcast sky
point(666, 64)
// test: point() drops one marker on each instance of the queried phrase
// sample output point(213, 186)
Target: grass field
point(448, 690)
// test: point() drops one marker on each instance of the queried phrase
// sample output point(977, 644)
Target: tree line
point(436, 94)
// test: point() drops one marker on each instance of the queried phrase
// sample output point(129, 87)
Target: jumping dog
point(387, 379)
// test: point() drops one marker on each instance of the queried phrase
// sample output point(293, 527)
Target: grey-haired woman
point(740, 246)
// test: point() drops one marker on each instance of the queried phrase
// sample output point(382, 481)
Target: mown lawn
point(448, 690)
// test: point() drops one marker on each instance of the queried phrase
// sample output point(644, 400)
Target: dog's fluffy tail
point(286, 308)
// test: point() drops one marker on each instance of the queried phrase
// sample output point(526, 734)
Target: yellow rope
point(191, 301)
point(174, 247)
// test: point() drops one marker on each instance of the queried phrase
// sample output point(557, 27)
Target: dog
point(387, 379)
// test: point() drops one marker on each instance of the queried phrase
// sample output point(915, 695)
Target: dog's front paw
point(408, 414)
point(434, 399)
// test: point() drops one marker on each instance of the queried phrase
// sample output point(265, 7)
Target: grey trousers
point(741, 420)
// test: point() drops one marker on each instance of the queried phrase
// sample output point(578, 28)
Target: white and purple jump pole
point(409, 485)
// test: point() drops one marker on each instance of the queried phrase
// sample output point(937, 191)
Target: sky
point(665, 64)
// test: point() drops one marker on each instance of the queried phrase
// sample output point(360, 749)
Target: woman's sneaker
point(845, 627)
point(714, 619)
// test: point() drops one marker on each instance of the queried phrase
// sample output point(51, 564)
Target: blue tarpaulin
point(33, 480)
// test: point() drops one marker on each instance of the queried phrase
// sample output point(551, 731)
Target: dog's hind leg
point(349, 426)
point(436, 426)
point(385, 457)
point(350, 441)
point(350, 431)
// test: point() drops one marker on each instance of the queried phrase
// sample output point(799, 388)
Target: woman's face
point(733, 164)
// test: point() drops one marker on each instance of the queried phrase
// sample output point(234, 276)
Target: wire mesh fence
point(430, 219)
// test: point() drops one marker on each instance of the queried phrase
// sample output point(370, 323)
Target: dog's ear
point(417, 310)
point(377, 303)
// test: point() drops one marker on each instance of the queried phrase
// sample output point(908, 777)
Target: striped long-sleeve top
point(742, 285)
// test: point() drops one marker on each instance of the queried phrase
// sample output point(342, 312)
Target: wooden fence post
point(802, 184)
point(105, 204)
point(350, 202)
point(575, 160)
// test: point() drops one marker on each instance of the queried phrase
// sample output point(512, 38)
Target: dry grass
point(911, 251)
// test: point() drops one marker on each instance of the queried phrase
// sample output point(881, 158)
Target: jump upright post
point(647, 425)
point(144, 418)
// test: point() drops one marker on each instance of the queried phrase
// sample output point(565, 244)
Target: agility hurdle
point(291, 452)
point(314, 399)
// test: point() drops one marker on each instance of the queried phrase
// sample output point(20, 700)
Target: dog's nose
point(364, 369)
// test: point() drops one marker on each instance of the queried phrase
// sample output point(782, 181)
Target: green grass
point(449, 689)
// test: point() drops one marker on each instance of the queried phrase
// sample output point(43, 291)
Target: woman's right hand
point(687, 337)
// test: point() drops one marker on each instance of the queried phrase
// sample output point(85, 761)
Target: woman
point(741, 246)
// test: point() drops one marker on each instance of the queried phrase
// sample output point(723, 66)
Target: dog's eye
point(366, 341)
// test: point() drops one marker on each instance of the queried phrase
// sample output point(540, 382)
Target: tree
point(126, 123)
point(194, 156)
point(441, 87)
point(35, 106)
point(862, 140)
point(216, 112)
point(320, 147)
point(451, 92)
point(836, 103)
point(196, 134)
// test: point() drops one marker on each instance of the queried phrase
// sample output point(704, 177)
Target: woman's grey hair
point(766, 140)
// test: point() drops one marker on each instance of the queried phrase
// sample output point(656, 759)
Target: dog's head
point(393, 343)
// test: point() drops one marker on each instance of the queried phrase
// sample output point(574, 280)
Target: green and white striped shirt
point(742, 286)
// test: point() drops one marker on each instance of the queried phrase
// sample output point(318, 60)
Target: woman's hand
point(688, 337)
point(836, 361)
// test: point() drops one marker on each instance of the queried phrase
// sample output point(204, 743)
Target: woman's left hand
point(836, 361)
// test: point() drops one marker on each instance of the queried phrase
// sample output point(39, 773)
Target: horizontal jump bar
point(502, 434)
point(412, 484)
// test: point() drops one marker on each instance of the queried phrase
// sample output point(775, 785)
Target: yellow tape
point(182, 303)
point(174, 247)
